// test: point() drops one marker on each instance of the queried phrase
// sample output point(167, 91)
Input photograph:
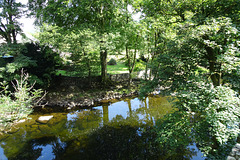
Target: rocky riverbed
point(73, 96)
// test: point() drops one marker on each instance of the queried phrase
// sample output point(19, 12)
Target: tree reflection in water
point(100, 133)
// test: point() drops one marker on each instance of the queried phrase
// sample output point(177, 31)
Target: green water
point(114, 130)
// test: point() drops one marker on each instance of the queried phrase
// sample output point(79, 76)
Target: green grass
point(66, 73)
point(111, 69)
point(117, 69)
point(61, 72)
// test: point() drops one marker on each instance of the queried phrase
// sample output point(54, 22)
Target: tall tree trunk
point(12, 30)
point(154, 53)
point(148, 52)
point(214, 70)
point(14, 36)
point(103, 57)
point(146, 68)
point(88, 66)
point(103, 50)
point(129, 65)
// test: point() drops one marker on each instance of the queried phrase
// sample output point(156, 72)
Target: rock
point(238, 154)
point(21, 121)
point(237, 146)
point(44, 119)
point(231, 158)
point(233, 152)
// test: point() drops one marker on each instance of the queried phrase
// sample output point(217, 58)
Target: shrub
point(47, 62)
point(18, 104)
point(112, 62)
point(39, 61)
point(139, 66)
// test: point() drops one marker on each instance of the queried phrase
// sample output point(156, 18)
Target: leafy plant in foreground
point(18, 104)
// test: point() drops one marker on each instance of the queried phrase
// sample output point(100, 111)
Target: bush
point(18, 104)
point(139, 66)
point(112, 62)
point(47, 62)
point(39, 61)
point(10, 70)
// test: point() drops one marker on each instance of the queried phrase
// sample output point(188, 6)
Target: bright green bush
point(18, 104)
point(139, 66)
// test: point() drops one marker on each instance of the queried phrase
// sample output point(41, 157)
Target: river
point(118, 129)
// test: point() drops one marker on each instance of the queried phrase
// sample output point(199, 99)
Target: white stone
point(21, 121)
point(237, 146)
point(231, 158)
point(238, 153)
point(233, 153)
point(44, 119)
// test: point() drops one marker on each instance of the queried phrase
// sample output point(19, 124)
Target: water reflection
point(115, 130)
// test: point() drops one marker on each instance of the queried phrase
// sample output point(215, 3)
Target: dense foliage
point(40, 62)
point(17, 104)
point(10, 13)
point(11, 67)
point(197, 57)
point(189, 48)
point(47, 62)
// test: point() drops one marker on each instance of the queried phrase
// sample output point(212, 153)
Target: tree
point(218, 41)
point(198, 60)
point(131, 45)
point(98, 15)
point(10, 12)
point(198, 37)
point(213, 46)
point(10, 70)
point(179, 9)
point(80, 46)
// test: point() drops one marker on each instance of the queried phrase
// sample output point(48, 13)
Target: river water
point(119, 129)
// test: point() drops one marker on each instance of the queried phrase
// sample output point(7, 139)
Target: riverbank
point(72, 96)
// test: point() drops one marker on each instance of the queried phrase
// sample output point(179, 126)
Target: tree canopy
point(190, 48)
point(10, 27)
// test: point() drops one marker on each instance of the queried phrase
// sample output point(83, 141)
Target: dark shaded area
point(47, 62)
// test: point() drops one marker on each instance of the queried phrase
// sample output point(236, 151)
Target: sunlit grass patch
point(117, 69)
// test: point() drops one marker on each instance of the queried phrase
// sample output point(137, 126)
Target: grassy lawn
point(66, 73)
point(117, 69)
point(111, 69)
